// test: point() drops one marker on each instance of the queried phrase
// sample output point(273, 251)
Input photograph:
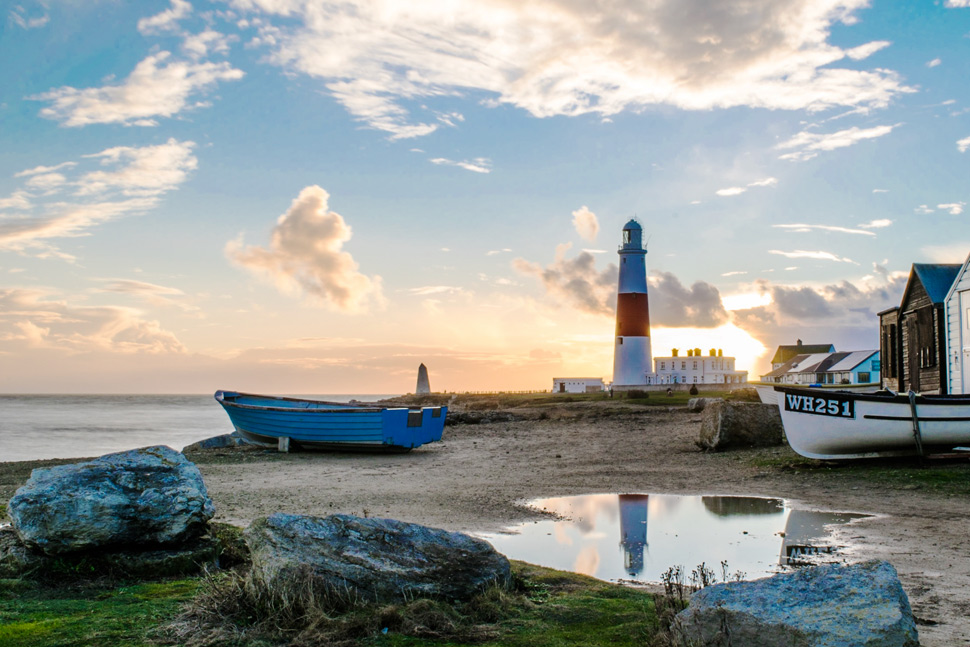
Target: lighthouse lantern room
point(631, 354)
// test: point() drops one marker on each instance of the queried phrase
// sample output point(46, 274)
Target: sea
point(34, 427)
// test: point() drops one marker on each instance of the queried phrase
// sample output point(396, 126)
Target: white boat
point(836, 425)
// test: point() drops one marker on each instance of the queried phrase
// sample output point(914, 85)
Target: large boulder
point(146, 498)
point(696, 405)
point(862, 605)
point(373, 560)
point(216, 442)
point(732, 425)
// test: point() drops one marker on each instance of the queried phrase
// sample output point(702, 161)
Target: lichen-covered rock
point(379, 560)
point(733, 425)
point(862, 605)
point(150, 498)
point(695, 405)
point(16, 559)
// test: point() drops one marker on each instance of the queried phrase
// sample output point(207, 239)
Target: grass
point(105, 614)
point(546, 608)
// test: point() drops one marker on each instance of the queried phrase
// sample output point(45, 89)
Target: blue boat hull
point(313, 424)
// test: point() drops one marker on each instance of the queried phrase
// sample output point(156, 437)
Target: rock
point(216, 442)
point(379, 560)
point(149, 498)
point(15, 558)
point(698, 404)
point(731, 425)
point(862, 605)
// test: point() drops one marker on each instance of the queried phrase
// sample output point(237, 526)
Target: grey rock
point(732, 425)
point(862, 605)
point(698, 404)
point(150, 498)
point(216, 442)
point(380, 560)
point(16, 559)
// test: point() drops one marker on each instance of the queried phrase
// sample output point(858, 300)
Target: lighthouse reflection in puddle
point(755, 536)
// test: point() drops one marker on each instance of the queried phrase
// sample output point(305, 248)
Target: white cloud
point(305, 256)
point(478, 165)
point(383, 60)
point(130, 180)
point(202, 44)
point(586, 224)
point(957, 3)
point(880, 190)
point(817, 255)
point(768, 181)
point(19, 17)
point(923, 210)
point(809, 144)
point(734, 273)
point(934, 62)
point(953, 208)
point(963, 144)
point(153, 89)
point(166, 20)
point(734, 190)
point(803, 228)
point(876, 224)
point(34, 319)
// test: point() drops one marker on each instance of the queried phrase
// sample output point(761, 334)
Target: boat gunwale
point(341, 407)
point(898, 398)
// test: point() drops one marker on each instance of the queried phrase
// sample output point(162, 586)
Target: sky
point(297, 196)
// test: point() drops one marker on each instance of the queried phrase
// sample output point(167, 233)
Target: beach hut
point(956, 309)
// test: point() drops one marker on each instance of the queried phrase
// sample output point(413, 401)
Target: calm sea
point(69, 426)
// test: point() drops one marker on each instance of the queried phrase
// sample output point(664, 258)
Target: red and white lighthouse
point(631, 354)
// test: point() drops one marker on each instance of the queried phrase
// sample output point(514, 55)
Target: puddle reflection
point(640, 536)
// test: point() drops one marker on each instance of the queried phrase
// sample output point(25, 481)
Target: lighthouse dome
point(633, 224)
point(632, 236)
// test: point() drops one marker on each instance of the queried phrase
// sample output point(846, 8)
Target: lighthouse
point(631, 353)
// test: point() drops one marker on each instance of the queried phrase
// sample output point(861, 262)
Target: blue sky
point(296, 196)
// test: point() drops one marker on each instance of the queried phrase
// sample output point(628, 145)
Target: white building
point(956, 309)
point(578, 385)
point(696, 368)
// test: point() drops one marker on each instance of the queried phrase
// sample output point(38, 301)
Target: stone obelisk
point(424, 386)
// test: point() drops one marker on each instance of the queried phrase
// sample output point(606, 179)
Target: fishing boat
point(837, 425)
point(314, 424)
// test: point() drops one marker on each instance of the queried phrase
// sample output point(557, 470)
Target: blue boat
point(313, 424)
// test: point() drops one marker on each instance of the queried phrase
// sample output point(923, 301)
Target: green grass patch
point(112, 615)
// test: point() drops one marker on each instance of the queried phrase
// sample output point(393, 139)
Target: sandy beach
point(480, 476)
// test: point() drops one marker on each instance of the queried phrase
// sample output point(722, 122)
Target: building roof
point(632, 224)
point(956, 280)
point(785, 353)
point(822, 362)
point(852, 360)
point(936, 279)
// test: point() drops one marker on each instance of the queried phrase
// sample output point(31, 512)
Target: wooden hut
point(919, 342)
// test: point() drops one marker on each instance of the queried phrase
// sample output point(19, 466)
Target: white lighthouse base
point(631, 361)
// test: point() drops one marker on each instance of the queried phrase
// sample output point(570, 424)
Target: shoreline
point(480, 476)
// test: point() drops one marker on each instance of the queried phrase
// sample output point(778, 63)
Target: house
point(860, 367)
point(956, 307)
point(578, 385)
point(696, 369)
point(784, 353)
point(913, 336)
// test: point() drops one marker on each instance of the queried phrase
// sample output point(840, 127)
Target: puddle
point(639, 536)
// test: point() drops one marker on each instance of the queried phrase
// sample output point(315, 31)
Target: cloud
point(957, 3)
point(155, 88)
point(963, 144)
point(817, 255)
point(575, 281)
point(734, 190)
point(673, 305)
point(923, 210)
point(32, 318)
point(734, 273)
point(876, 224)
point(384, 62)
point(933, 63)
point(152, 293)
point(768, 181)
point(478, 165)
point(953, 208)
point(809, 144)
point(804, 228)
point(166, 20)
point(586, 224)
point(126, 181)
point(305, 255)
point(738, 190)
point(202, 44)
point(18, 16)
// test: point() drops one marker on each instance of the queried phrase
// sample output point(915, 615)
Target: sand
point(479, 478)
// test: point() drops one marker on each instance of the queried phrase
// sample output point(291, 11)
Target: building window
point(683, 366)
point(863, 378)
point(695, 379)
point(695, 364)
point(619, 340)
point(663, 365)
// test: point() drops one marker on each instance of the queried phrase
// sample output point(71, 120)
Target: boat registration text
point(830, 405)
